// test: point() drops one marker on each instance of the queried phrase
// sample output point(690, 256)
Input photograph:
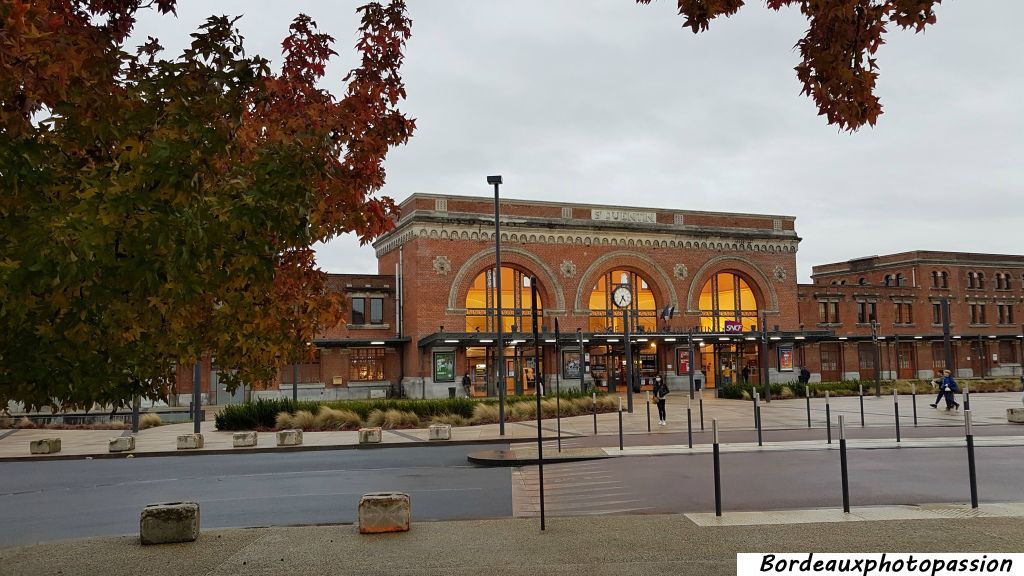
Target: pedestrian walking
point(937, 386)
point(949, 388)
point(805, 375)
point(746, 374)
point(660, 392)
point(467, 384)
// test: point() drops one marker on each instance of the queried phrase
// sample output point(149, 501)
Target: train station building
point(714, 299)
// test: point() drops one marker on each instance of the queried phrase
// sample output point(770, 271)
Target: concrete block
point(384, 512)
point(122, 444)
point(1015, 415)
point(440, 432)
point(44, 446)
point(289, 437)
point(369, 436)
point(243, 439)
point(169, 523)
point(190, 441)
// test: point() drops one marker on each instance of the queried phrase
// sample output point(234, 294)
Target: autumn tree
point(837, 67)
point(156, 209)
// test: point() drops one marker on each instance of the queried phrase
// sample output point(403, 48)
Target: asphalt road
point(46, 501)
point(771, 481)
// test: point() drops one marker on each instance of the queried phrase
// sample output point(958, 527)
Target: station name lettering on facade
point(624, 216)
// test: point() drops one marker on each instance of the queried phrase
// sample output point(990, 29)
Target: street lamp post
point(629, 360)
point(764, 356)
point(496, 182)
point(690, 354)
point(196, 400)
point(946, 342)
point(878, 359)
point(583, 357)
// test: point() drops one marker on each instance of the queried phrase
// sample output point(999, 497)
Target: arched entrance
point(516, 319)
point(729, 311)
point(609, 360)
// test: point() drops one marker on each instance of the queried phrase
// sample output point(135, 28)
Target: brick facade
point(428, 263)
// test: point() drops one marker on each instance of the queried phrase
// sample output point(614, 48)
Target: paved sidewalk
point(785, 419)
point(590, 546)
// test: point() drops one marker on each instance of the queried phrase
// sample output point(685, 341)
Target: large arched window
point(516, 301)
point(727, 297)
point(607, 317)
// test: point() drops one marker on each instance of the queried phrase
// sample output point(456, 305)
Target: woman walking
point(660, 391)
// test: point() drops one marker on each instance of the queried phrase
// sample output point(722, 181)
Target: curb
point(266, 450)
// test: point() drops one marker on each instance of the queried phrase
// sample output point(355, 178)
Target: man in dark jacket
point(949, 388)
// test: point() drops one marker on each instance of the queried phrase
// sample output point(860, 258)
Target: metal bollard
point(718, 468)
point(861, 386)
point(828, 418)
point(896, 410)
point(700, 403)
point(594, 404)
point(967, 396)
point(913, 400)
point(753, 398)
point(689, 423)
point(842, 465)
point(807, 395)
point(648, 411)
point(620, 422)
point(757, 417)
point(970, 459)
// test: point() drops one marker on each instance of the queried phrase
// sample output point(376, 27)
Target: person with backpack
point(660, 392)
point(949, 388)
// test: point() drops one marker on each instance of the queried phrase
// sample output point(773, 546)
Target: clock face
point(622, 296)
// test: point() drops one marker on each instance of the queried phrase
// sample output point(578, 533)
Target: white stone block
point(190, 441)
point(289, 437)
point(440, 432)
point(44, 446)
point(169, 523)
point(369, 435)
point(122, 444)
point(384, 512)
point(1015, 415)
point(243, 439)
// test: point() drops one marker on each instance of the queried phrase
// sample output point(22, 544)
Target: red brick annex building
point(716, 287)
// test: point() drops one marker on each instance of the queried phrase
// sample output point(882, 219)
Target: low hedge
point(262, 414)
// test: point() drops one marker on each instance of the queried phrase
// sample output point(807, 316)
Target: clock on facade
point(622, 296)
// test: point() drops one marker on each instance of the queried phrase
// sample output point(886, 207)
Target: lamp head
point(494, 179)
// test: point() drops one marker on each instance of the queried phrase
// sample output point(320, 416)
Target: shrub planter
point(369, 436)
point(243, 439)
point(169, 523)
point(44, 446)
point(1015, 415)
point(190, 441)
point(440, 432)
point(122, 444)
point(289, 437)
point(384, 512)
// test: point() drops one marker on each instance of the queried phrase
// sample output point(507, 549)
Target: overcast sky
point(606, 101)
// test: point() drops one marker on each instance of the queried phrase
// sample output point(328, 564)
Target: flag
point(668, 312)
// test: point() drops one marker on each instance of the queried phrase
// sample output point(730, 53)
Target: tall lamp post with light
point(496, 182)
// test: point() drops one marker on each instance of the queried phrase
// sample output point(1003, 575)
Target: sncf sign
point(733, 326)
